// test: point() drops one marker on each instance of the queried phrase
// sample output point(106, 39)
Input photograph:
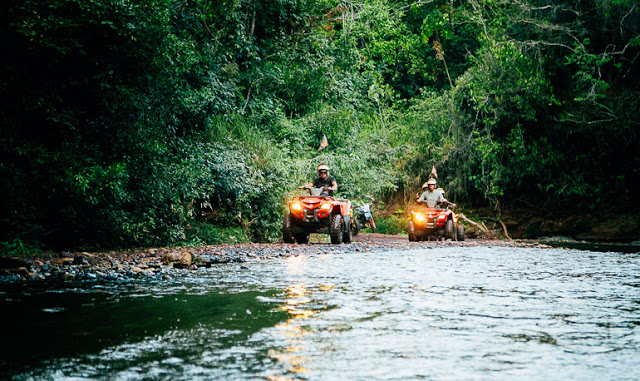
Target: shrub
point(17, 248)
point(394, 224)
point(207, 234)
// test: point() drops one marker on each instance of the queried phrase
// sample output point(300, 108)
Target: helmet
point(429, 182)
point(323, 167)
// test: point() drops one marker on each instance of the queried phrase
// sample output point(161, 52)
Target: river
point(435, 313)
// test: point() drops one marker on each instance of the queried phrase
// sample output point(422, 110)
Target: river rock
point(136, 269)
point(64, 261)
point(178, 259)
point(36, 276)
point(81, 260)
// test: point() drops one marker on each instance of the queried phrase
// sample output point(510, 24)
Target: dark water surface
point(443, 313)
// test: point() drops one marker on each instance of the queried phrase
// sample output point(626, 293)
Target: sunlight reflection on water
point(442, 313)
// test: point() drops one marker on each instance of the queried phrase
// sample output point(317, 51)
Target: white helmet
point(429, 182)
point(323, 167)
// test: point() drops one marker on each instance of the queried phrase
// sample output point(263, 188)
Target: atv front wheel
point(412, 232)
point(449, 232)
point(336, 229)
point(347, 235)
point(460, 232)
point(287, 235)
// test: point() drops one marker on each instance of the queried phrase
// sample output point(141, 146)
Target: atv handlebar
point(311, 188)
point(450, 205)
point(315, 191)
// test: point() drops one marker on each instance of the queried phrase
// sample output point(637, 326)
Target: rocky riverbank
point(166, 263)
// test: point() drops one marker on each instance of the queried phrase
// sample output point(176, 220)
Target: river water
point(434, 313)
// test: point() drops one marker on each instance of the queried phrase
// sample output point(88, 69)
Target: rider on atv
point(323, 181)
point(437, 219)
point(431, 196)
point(318, 213)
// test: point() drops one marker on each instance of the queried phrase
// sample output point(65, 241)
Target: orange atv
point(435, 222)
point(317, 213)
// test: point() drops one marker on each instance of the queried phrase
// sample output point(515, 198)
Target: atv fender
point(342, 207)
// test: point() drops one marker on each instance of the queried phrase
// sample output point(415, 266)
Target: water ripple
point(444, 313)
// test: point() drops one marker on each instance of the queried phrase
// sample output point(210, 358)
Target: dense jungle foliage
point(179, 122)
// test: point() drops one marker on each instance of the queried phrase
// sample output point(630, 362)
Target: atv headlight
point(418, 217)
point(296, 207)
point(326, 206)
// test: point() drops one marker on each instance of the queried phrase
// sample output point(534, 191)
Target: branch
point(481, 20)
point(503, 226)
point(203, 18)
point(583, 120)
point(481, 227)
point(249, 93)
point(555, 9)
point(542, 8)
point(416, 3)
point(534, 43)
point(625, 16)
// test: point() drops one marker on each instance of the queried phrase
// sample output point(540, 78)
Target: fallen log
point(504, 227)
point(479, 226)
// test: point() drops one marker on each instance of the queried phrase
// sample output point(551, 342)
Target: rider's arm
point(444, 201)
point(334, 186)
point(421, 199)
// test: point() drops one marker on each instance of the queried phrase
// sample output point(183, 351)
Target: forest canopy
point(129, 124)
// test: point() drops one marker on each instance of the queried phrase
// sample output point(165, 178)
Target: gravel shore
point(170, 262)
